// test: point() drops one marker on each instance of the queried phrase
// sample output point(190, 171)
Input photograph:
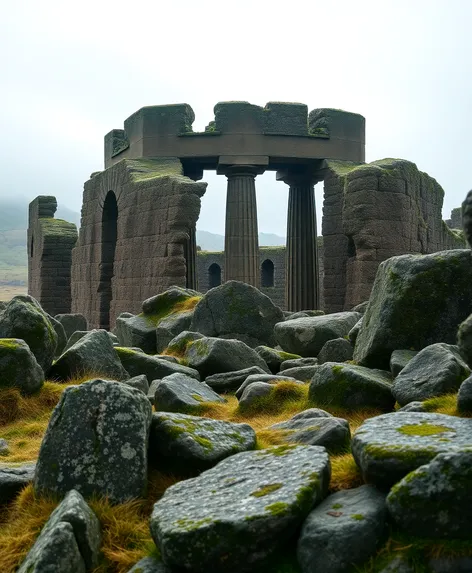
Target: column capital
point(300, 175)
point(235, 170)
point(242, 165)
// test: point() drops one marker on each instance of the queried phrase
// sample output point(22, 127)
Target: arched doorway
point(267, 273)
point(108, 246)
point(214, 275)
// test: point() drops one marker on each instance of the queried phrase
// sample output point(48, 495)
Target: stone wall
point(372, 212)
point(50, 244)
point(136, 219)
point(455, 222)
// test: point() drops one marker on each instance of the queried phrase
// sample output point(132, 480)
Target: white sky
point(71, 72)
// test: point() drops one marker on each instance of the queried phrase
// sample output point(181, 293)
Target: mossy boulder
point(436, 370)
point(416, 300)
point(275, 358)
point(351, 387)
point(18, 367)
point(170, 326)
point(186, 444)
point(61, 335)
point(239, 311)
point(149, 565)
point(267, 378)
point(180, 393)
point(399, 359)
point(233, 516)
point(435, 500)
point(24, 318)
point(388, 447)
point(136, 331)
point(163, 304)
point(179, 343)
point(307, 336)
point(72, 322)
point(336, 350)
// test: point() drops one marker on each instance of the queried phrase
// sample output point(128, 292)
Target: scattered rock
point(351, 387)
point(72, 322)
point(178, 344)
point(153, 367)
point(413, 407)
point(467, 217)
point(96, 442)
point(332, 433)
point(416, 300)
point(253, 393)
point(170, 326)
point(228, 382)
point(69, 542)
point(267, 378)
point(274, 358)
point(344, 530)
point(354, 332)
point(3, 447)
point(181, 443)
point(307, 336)
point(180, 393)
point(302, 373)
point(464, 339)
point(92, 355)
point(298, 363)
point(399, 359)
point(237, 310)
point(312, 413)
point(14, 479)
point(436, 370)
point(234, 515)
point(388, 447)
point(137, 331)
point(78, 334)
point(464, 397)
point(433, 501)
point(149, 565)
point(18, 367)
point(336, 350)
point(139, 382)
point(163, 304)
point(305, 313)
point(61, 335)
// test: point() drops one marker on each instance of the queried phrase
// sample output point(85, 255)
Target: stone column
point(190, 246)
point(302, 280)
point(241, 234)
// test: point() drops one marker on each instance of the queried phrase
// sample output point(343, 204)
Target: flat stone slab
point(388, 447)
point(13, 479)
point(344, 530)
point(234, 515)
point(332, 433)
point(180, 393)
point(179, 442)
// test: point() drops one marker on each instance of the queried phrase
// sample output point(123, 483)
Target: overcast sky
point(72, 71)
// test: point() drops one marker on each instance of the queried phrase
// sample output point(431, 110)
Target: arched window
point(214, 275)
point(109, 235)
point(267, 273)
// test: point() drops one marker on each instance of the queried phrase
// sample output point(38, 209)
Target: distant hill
point(214, 242)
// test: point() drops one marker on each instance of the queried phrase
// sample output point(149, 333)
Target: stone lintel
point(301, 174)
point(229, 164)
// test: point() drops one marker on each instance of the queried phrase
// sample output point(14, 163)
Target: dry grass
point(344, 473)
point(188, 304)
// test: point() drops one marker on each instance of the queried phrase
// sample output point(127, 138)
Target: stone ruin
point(137, 235)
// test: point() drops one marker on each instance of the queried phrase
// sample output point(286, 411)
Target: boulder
point(267, 378)
point(96, 442)
point(137, 331)
point(435, 500)
point(215, 355)
point(345, 530)
point(311, 413)
point(330, 432)
point(24, 318)
point(336, 350)
point(78, 334)
point(153, 367)
point(467, 217)
point(361, 307)
point(92, 355)
point(149, 565)
point(274, 358)
point(464, 339)
point(388, 447)
point(307, 336)
point(13, 479)
point(180, 393)
point(302, 373)
point(298, 363)
point(69, 542)
point(416, 300)
point(72, 322)
point(170, 326)
point(253, 394)
point(4, 449)
point(188, 444)
point(464, 397)
point(233, 516)
point(351, 387)
point(399, 359)
point(61, 335)
point(354, 332)
point(436, 370)
point(177, 345)
point(413, 407)
point(18, 367)
point(305, 313)
point(164, 304)
point(229, 382)
point(139, 382)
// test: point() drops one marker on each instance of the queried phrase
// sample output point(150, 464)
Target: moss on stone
point(357, 516)
point(278, 450)
point(266, 490)
point(9, 343)
point(424, 429)
point(336, 506)
point(278, 508)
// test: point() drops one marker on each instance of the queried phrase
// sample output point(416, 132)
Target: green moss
point(200, 346)
point(184, 426)
point(278, 450)
point(58, 228)
point(406, 454)
point(424, 429)
point(197, 397)
point(146, 169)
point(357, 516)
point(9, 343)
point(278, 508)
point(336, 506)
point(190, 524)
point(266, 489)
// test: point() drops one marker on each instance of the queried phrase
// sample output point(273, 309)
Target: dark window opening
point(109, 236)
point(214, 275)
point(351, 247)
point(32, 247)
point(267, 273)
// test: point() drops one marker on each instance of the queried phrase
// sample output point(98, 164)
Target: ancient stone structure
point(50, 244)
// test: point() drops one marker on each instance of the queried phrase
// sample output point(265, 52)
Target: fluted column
point(241, 234)
point(302, 280)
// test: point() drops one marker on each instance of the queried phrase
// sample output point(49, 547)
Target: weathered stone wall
point(136, 217)
point(372, 212)
point(455, 222)
point(50, 244)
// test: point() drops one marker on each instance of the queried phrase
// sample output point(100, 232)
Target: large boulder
point(215, 355)
point(274, 358)
point(388, 447)
point(436, 370)
point(18, 367)
point(416, 300)
point(351, 387)
point(72, 322)
point(231, 517)
point(153, 367)
point(180, 393)
point(170, 326)
point(237, 310)
point(92, 355)
point(307, 336)
point(336, 350)
point(14, 479)
point(435, 500)
point(188, 444)
point(78, 334)
point(96, 442)
point(24, 318)
point(69, 542)
point(137, 331)
point(344, 530)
